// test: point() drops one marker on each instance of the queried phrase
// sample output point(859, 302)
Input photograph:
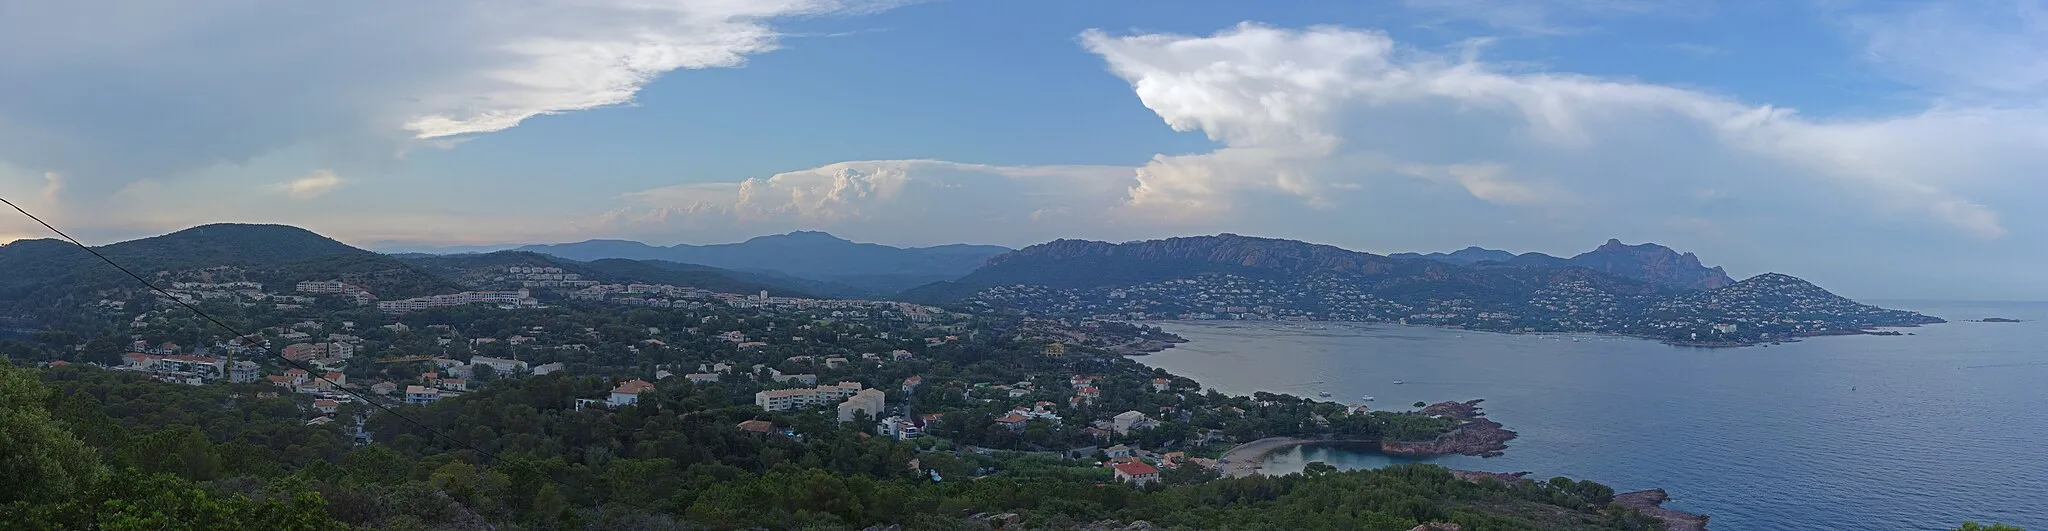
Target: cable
point(240, 337)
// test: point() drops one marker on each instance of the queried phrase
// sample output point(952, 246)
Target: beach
point(1244, 460)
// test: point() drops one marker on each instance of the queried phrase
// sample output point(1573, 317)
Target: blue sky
point(1881, 148)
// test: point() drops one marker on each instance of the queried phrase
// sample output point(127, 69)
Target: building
point(452, 384)
point(1130, 420)
point(503, 366)
point(1137, 474)
point(326, 406)
point(1161, 384)
point(760, 427)
point(628, 393)
point(416, 394)
point(247, 371)
point(1013, 420)
point(867, 401)
point(910, 384)
point(543, 370)
point(702, 377)
point(1088, 394)
point(1117, 452)
point(783, 399)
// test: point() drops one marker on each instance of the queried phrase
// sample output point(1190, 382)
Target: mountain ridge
point(811, 255)
point(1245, 277)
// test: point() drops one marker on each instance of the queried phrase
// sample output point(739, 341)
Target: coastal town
point(1765, 309)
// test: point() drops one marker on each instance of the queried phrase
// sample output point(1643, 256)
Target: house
point(899, 355)
point(297, 376)
point(1088, 394)
point(1161, 384)
point(543, 370)
point(1137, 474)
point(702, 377)
point(1117, 451)
point(326, 406)
point(1014, 421)
point(1130, 420)
point(628, 393)
point(417, 394)
point(452, 384)
point(910, 384)
point(868, 401)
point(835, 362)
point(1078, 381)
point(757, 427)
point(336, 377)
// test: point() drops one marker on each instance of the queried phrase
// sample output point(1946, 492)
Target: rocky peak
point(1650, 262)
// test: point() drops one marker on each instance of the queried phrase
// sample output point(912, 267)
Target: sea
point(1919, 431)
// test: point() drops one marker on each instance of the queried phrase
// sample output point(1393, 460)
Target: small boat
point(1368, 398)
point(1398, 382)
point(1324, 394)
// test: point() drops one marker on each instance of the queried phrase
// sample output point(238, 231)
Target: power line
point(240, 337)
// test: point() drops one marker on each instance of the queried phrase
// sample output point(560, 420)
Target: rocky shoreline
point(1651, 502)
point(1478, 436)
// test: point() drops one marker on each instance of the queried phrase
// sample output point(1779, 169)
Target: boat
point(1324, 394)
point(1368, 398)
point(1398, 382)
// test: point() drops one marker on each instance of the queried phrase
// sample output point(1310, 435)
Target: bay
point(1922, 431)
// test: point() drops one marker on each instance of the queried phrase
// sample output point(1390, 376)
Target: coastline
point(1249, 459)
point(1875, 331)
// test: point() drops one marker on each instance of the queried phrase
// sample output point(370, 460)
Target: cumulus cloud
point(113, 91)
point(313, 185)
point(972, 202)
point(1296, 110)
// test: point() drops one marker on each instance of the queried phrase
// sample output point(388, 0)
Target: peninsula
point(1643, 291)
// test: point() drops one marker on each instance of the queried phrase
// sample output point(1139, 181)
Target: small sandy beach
point(1245, 459)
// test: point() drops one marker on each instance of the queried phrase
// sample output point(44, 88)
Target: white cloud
point(207, 82)
point(1968, 49)
point(313, 185)
point(1296, 109)
point(971, 202)
point(1536, 17)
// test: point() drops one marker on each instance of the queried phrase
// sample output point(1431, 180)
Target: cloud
point(1534, 17)
point(112, 91)
point(312, 185)
point(1967, 49)
point(1296, 110)
point(972, 202)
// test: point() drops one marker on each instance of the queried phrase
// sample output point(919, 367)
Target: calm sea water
point(1863, 432)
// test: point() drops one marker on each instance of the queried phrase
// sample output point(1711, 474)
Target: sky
point(1881, 148)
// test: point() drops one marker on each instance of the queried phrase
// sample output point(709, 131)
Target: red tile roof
point(1136, 469)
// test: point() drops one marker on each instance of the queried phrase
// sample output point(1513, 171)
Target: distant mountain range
point(1642, 290)
point(1647, 262)
point(53, 281)
point(836, 263)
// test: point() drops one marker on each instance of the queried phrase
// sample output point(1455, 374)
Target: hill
point(1647, 262)
point(806, 254)
point(46, 273)
point(1236, 277)
point(487, 270)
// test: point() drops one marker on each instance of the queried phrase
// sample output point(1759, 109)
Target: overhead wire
point(240, 338)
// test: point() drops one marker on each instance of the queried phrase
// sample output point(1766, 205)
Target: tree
point(1419, 403)
point(1974, 526)
point(483, 373)
point(39, 459)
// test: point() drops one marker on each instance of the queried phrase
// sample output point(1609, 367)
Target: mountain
point(1653, 263)
point(41, 271)
point(1237, 277)
point(485, 269)
point(806, 254)
point(1647, 262)
point(1466, 256)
